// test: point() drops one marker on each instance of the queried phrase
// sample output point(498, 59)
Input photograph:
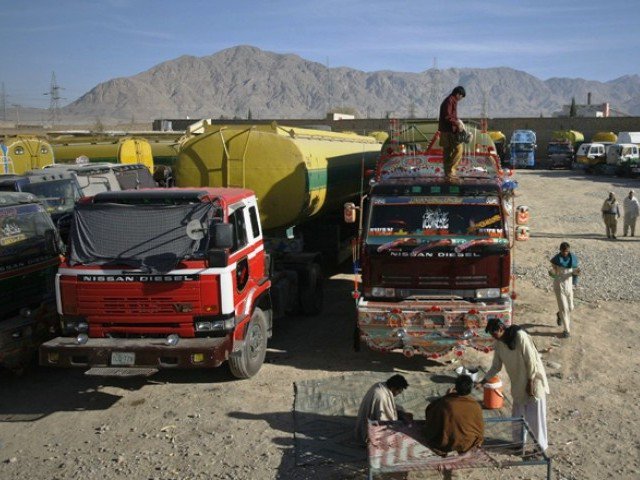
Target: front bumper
point(146, 352)
point(21, 335)
point(431, 329)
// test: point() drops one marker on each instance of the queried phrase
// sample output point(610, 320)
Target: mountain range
point(245, 81)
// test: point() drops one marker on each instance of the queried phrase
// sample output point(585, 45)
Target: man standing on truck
point(631, 213)
point(450, 126)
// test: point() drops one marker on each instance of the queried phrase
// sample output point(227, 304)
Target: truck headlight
point(73, 325)
point(488, 293)
point(211, 325)
point(383, 292)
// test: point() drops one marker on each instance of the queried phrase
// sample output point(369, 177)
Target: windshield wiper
point(443, 242)
point(395, 243)
point(479, 241)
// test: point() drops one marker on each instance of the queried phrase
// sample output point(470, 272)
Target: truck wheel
point(254, 349)
point(311, 291)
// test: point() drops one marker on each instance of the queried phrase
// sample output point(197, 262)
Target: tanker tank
point(296, 173)
point(25, 152)
point(67, 148)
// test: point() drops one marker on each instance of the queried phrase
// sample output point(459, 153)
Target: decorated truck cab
point(29, 257)
point(435, 255)
point(163, 278)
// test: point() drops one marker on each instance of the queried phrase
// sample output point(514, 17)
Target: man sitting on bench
point(454, 422)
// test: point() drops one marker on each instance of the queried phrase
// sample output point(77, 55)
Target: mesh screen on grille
point(153, 238)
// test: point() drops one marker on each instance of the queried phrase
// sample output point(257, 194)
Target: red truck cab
point(163, 278)
point(434, 255)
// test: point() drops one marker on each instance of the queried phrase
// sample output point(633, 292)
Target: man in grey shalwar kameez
point(379, 404)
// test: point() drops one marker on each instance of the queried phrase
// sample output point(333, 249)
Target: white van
point(629, 137)
point(619, 153)
point(590, 154)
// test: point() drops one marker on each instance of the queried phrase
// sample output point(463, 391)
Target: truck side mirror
point(221, 235)
point(350, 211)
point(51, 242)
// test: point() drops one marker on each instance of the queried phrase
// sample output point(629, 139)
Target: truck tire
point(251, 357)
point(311, 291)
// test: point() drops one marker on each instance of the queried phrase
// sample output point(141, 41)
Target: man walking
point(631, 213)
point(450, 125)
point(564, 266)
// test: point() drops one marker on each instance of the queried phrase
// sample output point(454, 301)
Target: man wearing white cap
point(631, 213)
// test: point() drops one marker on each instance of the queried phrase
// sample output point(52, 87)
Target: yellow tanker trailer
point(67, 148)
point(296, 173)
point(301, 178)
point(25, 152)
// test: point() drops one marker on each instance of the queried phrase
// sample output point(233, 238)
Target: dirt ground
point(60, 424)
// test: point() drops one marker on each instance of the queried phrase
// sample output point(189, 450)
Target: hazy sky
point(86, 42)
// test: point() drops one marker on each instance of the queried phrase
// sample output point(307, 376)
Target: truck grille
point(132, 305)
point(434, 281)
point(471, 281)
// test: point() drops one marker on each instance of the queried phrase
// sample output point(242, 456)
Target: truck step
point(120, 372)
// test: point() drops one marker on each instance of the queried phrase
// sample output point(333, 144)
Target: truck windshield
point(154, 238)
point(559, 148)
point(523, 147)
point(96, 182)
point(22, 232)
point(57, 195)
point(428, 217)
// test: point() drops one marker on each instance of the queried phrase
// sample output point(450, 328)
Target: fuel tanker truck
point(68, 147)
point(25, 152)
point(435, 255)
point(301, 178)
point(193, 277)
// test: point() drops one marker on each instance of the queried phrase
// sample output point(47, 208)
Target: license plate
point(123, 358)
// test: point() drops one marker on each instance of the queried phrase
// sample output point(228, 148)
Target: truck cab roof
point(438, 186)
point(16, 198)
point(164, 196)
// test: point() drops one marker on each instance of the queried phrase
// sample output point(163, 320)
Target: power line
point(54, 99)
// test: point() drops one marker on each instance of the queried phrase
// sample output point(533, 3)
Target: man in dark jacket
point(454, 422)
point(449, 125)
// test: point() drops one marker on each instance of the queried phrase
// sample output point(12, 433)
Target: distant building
point(597, 110)
point(340, 116)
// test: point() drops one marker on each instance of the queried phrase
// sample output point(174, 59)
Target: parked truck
point(435, 256)
point(186, 277)
point(67, 147)
point(163, 278)
point(29, 248)
point(25, 152)
point(522, 149)
point(58, 186)
point(561, 150)
point(301, 178)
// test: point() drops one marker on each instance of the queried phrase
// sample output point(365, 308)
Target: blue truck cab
point(522, 149)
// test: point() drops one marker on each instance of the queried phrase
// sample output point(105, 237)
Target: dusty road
point(200, 425)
